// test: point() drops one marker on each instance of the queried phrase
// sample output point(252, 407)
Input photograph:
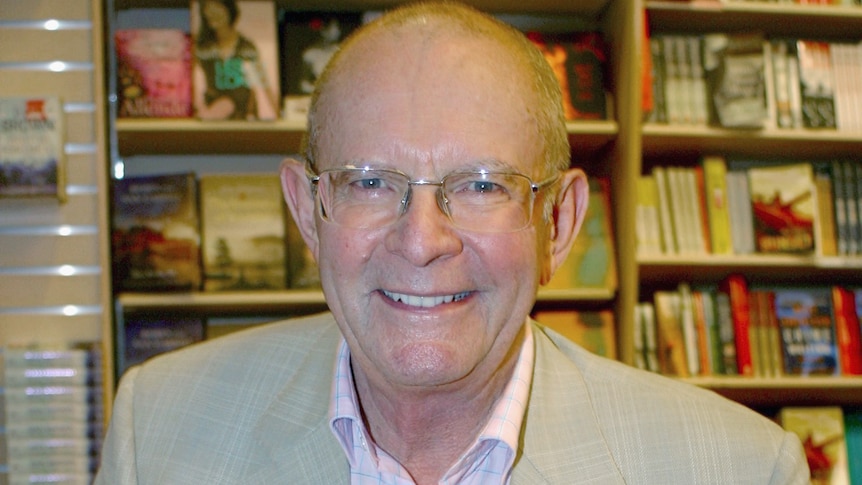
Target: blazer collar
point(561, 440)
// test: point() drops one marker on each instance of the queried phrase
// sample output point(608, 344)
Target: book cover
point(647, 222)
point(302, 269)
point(155, 234)
point(242, 232)
point(578, 60)
point(145, 336)
point(805, 317)
point(736, 289)
point(32, 147)
point(717, 206)
point(308, 40)
point(591, 263)
point(816, 84)
point(154, 73)
point(783, 205)
point(235, 61)
point(847, 331)
point(821, 430)
point(670, 336)
point(592, 330)
point(853, 440)
point(734, 70)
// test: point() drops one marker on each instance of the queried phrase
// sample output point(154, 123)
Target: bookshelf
point(619, 149)
point(684, 145)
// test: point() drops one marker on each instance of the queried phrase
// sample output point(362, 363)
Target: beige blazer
point(251, 408)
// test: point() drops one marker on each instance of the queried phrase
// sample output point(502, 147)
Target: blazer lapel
point(293, 434)
point(562, 441)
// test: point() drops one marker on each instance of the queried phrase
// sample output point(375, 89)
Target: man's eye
point(369, 183)
point(484, 186)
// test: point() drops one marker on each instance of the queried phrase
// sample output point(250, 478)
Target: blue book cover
point(806, 320)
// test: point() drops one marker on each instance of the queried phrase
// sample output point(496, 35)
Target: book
point(647, 223)
point(847, 330)
point(32, 147)
point(154, 73)
point(691, 334)
point(591, 262)
point(578, 61)
point(307, 42)
point(242, 232)
point(155, 233)
point(783, 205)
point(825, 234)
point(781, 78)
point(739, 212)
point(807, 331)
point(726, 333)
point(666, 215)
point(717, 205)
point(736, 289)
point(734, 71)
point(592, 330)
point(853, 440)
point(659, 111)
point(146, 336)
point(241, 84)
point(821, 430)
point(816, 84)
point(670, 336)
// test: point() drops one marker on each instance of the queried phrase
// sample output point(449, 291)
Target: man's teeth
point(424, 301)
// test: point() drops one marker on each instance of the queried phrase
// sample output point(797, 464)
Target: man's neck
point(427, 431)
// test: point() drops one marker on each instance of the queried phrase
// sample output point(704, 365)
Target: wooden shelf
point(581, 7)
point(779, 269)
point(190, 136)
point(662, 140)
point(701, 16)
point(761, 392)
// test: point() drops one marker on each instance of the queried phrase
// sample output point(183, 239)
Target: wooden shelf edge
point(762, 392)
point(752, 8)
point(654, 130)
point(793, 261)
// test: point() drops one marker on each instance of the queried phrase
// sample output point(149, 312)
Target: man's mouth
point(425, 301)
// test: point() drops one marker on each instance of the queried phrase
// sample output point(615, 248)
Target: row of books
point(52, 414)
point(845, 3)
point(746, 81)
point(180, 72)
point(832, 439)
point(221, 232)
point(732, 329)
point(743, 207)
point(216, 232)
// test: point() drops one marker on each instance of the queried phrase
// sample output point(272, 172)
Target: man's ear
point(297, 194)
point(570, 209)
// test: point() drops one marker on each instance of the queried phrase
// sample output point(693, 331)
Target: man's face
point(428, 109)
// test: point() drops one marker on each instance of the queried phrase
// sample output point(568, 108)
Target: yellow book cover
point(592, 261)
point(718, 212)
point(647, 221)
point(671, 340)
point(821, 430)
point(592, 330)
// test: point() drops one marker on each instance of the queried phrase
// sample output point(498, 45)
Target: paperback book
point(783, 207)
point(154, 72)
point(32, 151)
point(805, 318)
point(239, 83)
point(155, 235)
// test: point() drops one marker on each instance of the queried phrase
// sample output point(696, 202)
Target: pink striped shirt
point(488, 460)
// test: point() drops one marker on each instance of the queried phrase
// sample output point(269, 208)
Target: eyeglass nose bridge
point(442, 201)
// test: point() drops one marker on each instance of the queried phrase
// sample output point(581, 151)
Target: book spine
point(669, 242)
point(847, 331)
point(737, 290)
point(716, 199)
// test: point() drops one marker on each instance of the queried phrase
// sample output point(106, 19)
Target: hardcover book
point(578, 60)
point(591, 263)
point(145, 336)
point(738, 298)
point(593, 330)
point(235, 63)
point(805, 317)
point(154, 73)
point(734, 70)
point(816, 84)
point(717, 205)
point(242, 231)
point(821, 430)
point(783, 205)
point(308, 41)
point(155, 235)
point(32, 151)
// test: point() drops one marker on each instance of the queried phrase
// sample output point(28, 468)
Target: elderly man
point(436, 195)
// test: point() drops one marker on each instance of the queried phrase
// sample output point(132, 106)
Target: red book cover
point(847, 331)
point(737, 289)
